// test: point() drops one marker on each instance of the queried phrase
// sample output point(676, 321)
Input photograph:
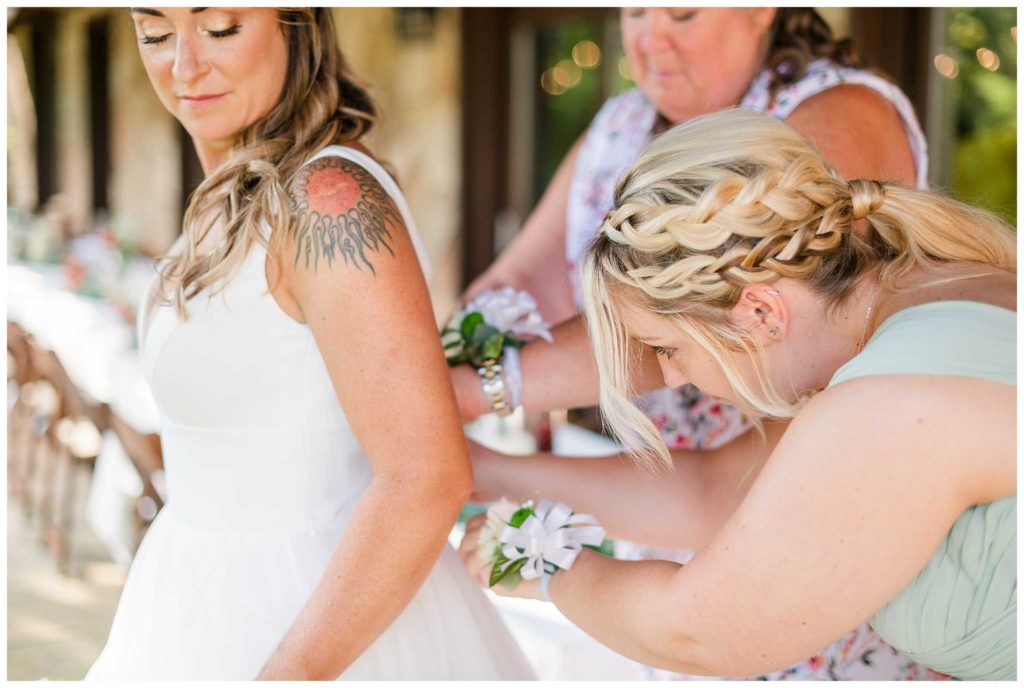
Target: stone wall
point(145, 158)
point(75, 156)
point(21, 125)
point(416, 84)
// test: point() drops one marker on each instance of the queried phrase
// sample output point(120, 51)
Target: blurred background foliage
point(983, 88)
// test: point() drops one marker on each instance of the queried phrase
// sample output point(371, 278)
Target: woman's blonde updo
point(737, 198)
point(321, 103)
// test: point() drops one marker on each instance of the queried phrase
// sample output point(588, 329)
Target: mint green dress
point(959, 615)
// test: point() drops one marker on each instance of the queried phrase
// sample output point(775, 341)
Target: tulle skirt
point(203, 604)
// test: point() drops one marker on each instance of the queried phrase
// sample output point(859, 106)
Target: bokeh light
point(946, 66)
point(586, 54)
point(624, 69)
point(550, 84)
point(567, 73)
point(988, 59)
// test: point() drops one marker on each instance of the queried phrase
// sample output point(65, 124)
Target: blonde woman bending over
point(732, 254)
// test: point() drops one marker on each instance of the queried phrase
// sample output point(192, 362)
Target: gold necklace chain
point(867, 316)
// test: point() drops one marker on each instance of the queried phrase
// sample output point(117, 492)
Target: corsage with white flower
point(487, 333)
point(524, 542)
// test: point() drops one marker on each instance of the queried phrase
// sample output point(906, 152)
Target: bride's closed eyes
point(230, 31)
point(153, 28)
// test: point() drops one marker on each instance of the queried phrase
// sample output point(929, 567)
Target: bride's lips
point(201, 99)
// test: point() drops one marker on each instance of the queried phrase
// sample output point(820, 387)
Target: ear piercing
point(774, 332)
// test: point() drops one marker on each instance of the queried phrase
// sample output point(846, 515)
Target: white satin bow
point(553, 535)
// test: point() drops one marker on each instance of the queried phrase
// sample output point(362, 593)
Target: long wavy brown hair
point(322, 103)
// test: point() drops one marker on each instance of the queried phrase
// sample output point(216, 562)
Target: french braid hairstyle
point(736, 198)
point(322, 103)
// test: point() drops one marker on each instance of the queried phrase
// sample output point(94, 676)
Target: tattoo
point(341, 210)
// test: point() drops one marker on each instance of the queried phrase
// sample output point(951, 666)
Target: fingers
point(478, 569)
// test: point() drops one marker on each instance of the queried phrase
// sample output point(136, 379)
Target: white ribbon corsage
point(535, 541)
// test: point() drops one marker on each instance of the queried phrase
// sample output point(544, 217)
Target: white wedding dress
point(263, 473)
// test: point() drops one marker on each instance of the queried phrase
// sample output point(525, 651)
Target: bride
point(314, 455)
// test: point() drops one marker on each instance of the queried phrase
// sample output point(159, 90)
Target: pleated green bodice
point(959, 614)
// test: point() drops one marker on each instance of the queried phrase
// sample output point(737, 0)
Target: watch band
point(494, 387)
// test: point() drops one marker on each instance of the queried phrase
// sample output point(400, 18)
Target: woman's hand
point(477, 568)
point(480, 570)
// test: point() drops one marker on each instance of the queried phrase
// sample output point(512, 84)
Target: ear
point(762, 311)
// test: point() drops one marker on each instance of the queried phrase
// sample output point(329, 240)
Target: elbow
point(687, 646)
point(681, 653)
point(723, 657)
point(457, 485)
point(451, 485)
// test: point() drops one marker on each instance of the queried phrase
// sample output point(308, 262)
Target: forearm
point(532, 264)
point(389, 547)
point(629, 503)
point(680, 509)
point(631, 607)
point(563, 374)
point(536, 259)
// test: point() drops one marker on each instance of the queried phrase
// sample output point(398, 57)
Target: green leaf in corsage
point(469, 324)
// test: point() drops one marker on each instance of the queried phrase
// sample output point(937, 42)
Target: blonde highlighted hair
point(321, 103)
point(737, 198)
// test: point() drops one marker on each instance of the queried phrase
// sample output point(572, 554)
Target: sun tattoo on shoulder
point(340, 211)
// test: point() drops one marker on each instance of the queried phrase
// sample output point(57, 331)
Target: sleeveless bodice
point(263, 475)
point(249, 413)
point(253, 435)
point(959, 614)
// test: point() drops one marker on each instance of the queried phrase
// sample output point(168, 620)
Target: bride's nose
point(189, 62)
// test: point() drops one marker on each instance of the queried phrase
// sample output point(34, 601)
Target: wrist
point(558, 581)
point(492, 382)
point(536, 543)
point(468, 393)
